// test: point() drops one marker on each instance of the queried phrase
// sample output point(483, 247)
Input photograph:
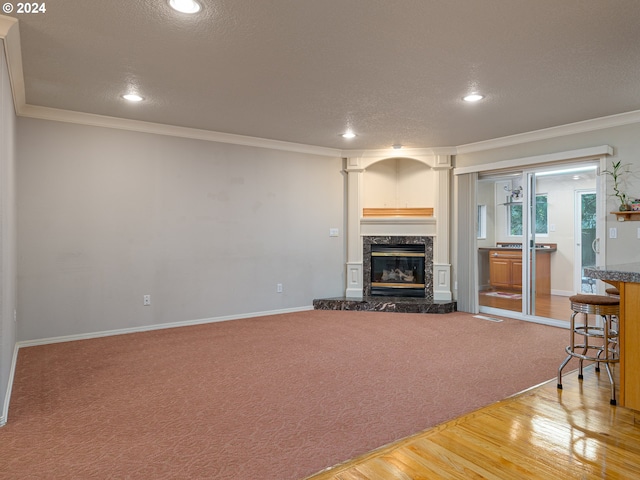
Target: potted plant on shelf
point(617, 173)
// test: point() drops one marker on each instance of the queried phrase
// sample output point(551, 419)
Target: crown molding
point(46, 113)
point(399, 152)
point(601, 123)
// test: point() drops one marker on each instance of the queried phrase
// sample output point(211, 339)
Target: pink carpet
point(278, 397)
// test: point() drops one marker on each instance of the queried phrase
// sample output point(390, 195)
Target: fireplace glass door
point(398, 270)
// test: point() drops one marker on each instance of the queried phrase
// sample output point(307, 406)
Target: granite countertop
point(628, 272)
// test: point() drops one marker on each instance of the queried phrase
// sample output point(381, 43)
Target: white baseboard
point(4, 416)
point(563, 293)
point(159, 326)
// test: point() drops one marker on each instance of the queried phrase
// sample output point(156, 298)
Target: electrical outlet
point(146, 300)
point(334, 232)
point(279, 288)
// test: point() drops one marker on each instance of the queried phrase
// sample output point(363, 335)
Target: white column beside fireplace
point(354, 245)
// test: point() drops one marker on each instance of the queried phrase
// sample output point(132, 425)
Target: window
point(542, 221)
point(482, 222)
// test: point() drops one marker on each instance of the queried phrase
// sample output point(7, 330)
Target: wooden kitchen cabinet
point(502, 273)
point(505, 270)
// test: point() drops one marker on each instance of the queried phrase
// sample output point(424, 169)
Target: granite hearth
point(385, 304)
point(424, 303)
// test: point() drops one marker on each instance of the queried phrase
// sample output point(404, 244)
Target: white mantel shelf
point(398, 226)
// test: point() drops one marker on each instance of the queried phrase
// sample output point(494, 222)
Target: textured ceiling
point(304, 71)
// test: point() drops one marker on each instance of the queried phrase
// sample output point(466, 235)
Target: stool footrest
point(613, 359)
point(594, 332)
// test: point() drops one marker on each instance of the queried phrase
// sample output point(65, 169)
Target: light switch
point(613, 232)
point(334, 232)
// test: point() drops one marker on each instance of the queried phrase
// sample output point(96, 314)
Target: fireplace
point(397, 270)
point(398, 266)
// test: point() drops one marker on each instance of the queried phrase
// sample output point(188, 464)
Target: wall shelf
point(627, 215)
point(397, 212)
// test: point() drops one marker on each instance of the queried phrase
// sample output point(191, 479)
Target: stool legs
point(610, 338)
point(607, 352)
point(571, 348)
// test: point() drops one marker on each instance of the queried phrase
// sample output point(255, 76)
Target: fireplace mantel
point(398, 226)
point(397, 212)
point(380, 223)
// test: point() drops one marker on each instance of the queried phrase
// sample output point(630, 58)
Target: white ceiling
point(304, 71)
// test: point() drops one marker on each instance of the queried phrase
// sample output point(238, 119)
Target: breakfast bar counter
point(626, 278)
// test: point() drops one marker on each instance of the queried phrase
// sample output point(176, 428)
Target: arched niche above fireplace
point(398, 183)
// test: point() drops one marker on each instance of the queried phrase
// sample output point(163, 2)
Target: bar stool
point(606, 349)
point(612, 292)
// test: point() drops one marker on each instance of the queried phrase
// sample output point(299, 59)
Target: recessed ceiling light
point(348, 134)
point(473, 97)
point(185, 6)
point(132, 97)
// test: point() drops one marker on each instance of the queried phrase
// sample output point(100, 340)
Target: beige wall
point(207, 229)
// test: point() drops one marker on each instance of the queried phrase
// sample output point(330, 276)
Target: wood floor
point(542, 433)
point(549, 306)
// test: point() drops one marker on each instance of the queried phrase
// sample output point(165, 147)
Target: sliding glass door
point(537, 250)
point(501, 214)
point(529, 224)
